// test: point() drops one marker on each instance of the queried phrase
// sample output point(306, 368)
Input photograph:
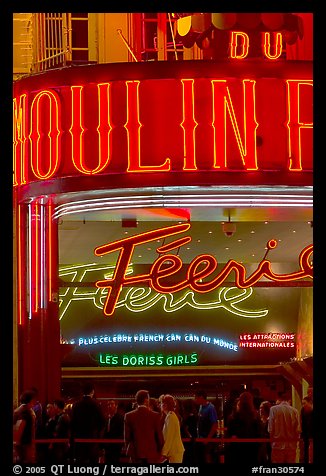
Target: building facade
point(163, 201)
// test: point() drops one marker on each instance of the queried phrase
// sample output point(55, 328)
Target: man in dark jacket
point(143, 432)
point(114, 431)
point(87, 421)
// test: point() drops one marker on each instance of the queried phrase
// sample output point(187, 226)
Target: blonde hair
point(169, 402)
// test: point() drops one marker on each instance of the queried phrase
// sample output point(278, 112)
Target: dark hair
point(284, 396)
point(60, 403)
point(265, 406)
point(141, 396)
point(246, 410)
point(201, 393)
point(88, 388)
point(27, 396)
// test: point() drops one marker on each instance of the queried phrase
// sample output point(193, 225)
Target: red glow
point(188, 124)
point(172, 264)
point(237, 36)
point(277, 45)
point(222, 102)
point(294, 123)
point(20, 139)
point(200, 124)
point(133, 126)
point(45, 144)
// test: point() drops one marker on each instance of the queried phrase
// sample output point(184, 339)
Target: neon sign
point(140, 299)
point(145, 360)
point(155, 337)
point(200, 267)
point(270, 340)
point(201, 124)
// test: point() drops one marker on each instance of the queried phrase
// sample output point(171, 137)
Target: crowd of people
point(162, 430)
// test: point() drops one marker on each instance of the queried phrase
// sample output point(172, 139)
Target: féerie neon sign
point(200, 267)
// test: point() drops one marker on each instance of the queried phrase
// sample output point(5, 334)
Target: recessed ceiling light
point(239, 239)
point(210, 232)
point(252, 231)
point(227, 248)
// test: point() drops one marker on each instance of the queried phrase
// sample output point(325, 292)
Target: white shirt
point(284, 425)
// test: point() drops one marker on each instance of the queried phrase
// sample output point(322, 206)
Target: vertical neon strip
point(222, 103)
point(20, 257)
point(277, 46)
point(133, 126)
point(30, 262)
point(49, 248)
point(294, 124)
point(36, 256)
point(235, 35)
point(42, 260)
point(49, 102)
point(77, 130)
point(188, 125)
point(20, 140)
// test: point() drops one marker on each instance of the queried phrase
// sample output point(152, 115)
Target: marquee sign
point(201, 267)
point(192, 120)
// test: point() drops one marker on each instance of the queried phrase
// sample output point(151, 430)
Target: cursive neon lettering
point(174, 263)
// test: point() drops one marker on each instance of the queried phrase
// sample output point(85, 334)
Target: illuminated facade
point(140, 134)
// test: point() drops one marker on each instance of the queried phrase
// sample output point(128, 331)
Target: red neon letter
point(277, 46)
point(188, 125)
point(77, 129)
point(104, 127)
point(234, 44)
point(45, 132)
point(127, 246)
point(20, 139)
point(294, 124)
point(133, 126)
point(221, 103)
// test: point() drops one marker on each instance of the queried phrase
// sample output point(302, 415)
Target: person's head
point(50, 410)
point(307, 404)
point(264, 409)
point(59, 405)
point(153, 404)
point(88, 389)
point(246, 403)
point(168, 403)
point(142, 397)
point(283, 397)
point(27, 398)
point(200, 397)
point(112, 407)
